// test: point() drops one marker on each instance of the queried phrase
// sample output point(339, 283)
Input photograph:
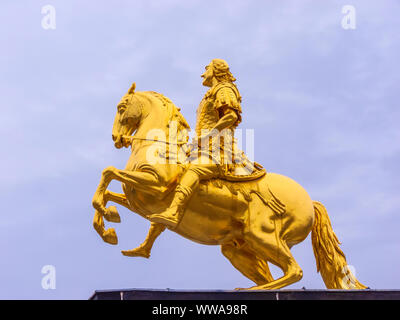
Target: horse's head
point(129, 113)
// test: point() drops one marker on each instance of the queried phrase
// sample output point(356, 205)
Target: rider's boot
point(173, 215)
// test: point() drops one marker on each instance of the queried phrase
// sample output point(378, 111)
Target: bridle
point(180, 143)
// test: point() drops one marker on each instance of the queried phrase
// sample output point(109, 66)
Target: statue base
point(303, 294)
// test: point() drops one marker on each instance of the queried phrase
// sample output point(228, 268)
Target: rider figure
point(218, 114)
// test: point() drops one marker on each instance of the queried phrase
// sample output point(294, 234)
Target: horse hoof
point(138, 252)
point(112, 215)
point(110, 236)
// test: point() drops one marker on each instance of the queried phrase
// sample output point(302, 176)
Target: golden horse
point(254, 222)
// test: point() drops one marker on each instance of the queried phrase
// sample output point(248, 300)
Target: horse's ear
point(132, 89)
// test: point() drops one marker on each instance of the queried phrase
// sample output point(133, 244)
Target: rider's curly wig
point(221, 70)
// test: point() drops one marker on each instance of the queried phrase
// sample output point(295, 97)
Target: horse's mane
point(175, 114)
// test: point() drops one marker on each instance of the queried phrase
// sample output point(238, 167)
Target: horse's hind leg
point(270, 247)
point(243, 259)
point(262, 234)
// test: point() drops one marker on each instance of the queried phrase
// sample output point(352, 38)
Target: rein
point(153, 140)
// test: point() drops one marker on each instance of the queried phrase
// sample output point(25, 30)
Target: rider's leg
point(188, 184)
point(144, 249)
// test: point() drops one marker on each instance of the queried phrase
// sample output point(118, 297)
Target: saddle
point(241, 170)
point(245, 170)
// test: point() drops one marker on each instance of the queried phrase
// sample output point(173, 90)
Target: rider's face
point(208, 76)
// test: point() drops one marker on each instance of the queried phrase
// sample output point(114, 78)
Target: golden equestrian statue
point(209, 191)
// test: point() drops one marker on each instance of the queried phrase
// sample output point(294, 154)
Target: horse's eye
point(121, 108)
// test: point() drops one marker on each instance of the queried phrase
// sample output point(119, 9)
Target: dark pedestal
point(149, 294)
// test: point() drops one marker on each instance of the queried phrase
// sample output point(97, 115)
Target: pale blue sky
point(323, 102)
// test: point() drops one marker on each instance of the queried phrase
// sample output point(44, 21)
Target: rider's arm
point(227, 104)
point(228, 120)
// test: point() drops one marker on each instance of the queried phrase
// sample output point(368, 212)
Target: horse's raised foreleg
point(108, 235)
point(100, 199)
point(137, 180)
point(111, 214)
point(144, 249)
point(143, 181)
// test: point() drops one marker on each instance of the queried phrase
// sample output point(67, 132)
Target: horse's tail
point(331, 261)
